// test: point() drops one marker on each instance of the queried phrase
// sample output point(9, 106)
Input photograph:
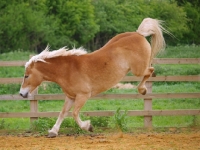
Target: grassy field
point(43, 124)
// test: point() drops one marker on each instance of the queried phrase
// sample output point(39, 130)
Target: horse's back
point(118, 37)
point(128, 40)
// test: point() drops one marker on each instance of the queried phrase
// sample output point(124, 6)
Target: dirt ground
point(172, 140)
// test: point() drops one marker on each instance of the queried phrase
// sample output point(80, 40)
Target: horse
point(82, 75)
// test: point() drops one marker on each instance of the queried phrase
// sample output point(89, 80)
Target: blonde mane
point(52, 54)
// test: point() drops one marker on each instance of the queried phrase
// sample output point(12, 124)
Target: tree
point(192, 10)
point(118, 16)
point(31, 25)
point(76, 21)
point(23, 28)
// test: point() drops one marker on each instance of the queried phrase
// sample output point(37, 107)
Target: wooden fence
point(147, 112)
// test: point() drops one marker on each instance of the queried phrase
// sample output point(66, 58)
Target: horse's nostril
point(24, 96)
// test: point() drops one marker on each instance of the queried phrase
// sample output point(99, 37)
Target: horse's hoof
point(51, 135)
point(144, 92)
point(90, 128)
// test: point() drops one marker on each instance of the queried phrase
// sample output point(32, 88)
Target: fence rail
point(155, 61)
point(104, 96)
point(125, 79)
point(147, 112)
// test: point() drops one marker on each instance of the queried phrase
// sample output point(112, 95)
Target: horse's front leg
point(79, 102)
point(67, 106)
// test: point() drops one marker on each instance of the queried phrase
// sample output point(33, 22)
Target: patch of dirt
point(124, 86)
point(189, 140)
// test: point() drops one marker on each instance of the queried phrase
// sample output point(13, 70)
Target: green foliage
point(15, 55)
point(23, 28)
point(181, 51)
point(177, 70)
point(42, 124)
point(47, 88)
point(14, 124)
point(192, 10)
point(120, 120)
point(99, 121)
point(122, 16)
point(31, 25)
point(9, 88)
point(11, 72)
point(78, 20)
point(2, 124)
point(192, 36)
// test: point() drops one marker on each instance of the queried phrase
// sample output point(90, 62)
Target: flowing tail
point(153, 28)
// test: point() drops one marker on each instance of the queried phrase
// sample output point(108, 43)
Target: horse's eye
point(25, 76)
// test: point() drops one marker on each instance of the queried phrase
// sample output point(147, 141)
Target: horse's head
point(36, 72)
point(32, 79)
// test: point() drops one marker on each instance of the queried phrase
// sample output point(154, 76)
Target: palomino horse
point(83, 75)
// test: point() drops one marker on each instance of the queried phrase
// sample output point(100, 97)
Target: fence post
point(33, 102)
point(33, 105)
point(148, 104)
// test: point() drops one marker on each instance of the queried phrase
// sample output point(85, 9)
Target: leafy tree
point(76, 21)
point(195, 3)
point(23, 28)
point(118, 16)
point(174, 18)
point(31, 24)
point(192, 10)
point(114, 17)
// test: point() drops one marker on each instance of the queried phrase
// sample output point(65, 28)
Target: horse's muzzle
point(23, 95)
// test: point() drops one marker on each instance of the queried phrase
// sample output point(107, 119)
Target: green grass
point(43, 124)
point(6, 72)
point(11, 72)
point(16, 55)
point(182, 69)
point(182, 51)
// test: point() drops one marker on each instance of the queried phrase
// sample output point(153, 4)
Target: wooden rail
point(147, 112)
point(125, 79)
point(155, 61)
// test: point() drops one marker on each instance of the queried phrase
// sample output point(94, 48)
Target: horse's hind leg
point(79, 102)
point(141, 87)
point(67, 106)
